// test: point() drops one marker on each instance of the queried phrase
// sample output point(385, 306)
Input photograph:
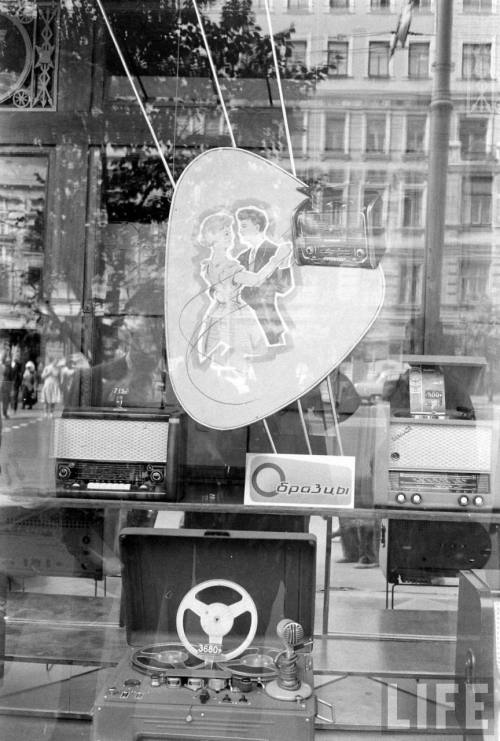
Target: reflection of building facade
point(361, 132)
point(366, 135)
point(22, 218)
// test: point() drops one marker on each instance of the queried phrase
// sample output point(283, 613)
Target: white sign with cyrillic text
point(300, 480)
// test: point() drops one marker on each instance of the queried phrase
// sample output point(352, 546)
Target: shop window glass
point(337, 58)
point(85, 210)
point(378, 59)
point(476, 200)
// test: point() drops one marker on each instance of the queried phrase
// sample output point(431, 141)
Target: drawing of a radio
point(318, 241)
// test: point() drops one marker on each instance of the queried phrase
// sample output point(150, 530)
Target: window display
point(243, 244)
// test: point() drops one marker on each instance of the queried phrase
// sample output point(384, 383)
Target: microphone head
point(290, 632)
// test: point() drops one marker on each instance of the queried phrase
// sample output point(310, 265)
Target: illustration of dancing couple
point(246, 274)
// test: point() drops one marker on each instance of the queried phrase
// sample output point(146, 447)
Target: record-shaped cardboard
point(249, 330)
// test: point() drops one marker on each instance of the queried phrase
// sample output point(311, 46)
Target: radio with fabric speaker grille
point(121, 453)
point(444, 464)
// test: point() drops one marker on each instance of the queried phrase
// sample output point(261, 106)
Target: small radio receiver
point(441, 464)
point(118, 453)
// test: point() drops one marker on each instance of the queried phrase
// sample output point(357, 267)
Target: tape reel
point(216, 621)
point(257, 663)
point(165, 657)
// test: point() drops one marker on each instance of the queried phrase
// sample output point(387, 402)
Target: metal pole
point(440, 113)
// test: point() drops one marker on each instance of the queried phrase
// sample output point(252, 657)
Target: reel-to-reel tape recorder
point(213, 658)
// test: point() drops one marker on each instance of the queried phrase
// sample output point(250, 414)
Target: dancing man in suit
point(266, 275)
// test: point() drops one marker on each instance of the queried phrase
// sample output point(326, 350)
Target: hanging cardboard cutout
point(257, 313)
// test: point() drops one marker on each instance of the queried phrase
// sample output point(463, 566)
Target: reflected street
point(25, 452)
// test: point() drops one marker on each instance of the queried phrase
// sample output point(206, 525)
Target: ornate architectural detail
point(28, 54)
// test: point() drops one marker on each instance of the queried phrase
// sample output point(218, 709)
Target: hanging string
point(335, 415)
point(136, 93)
point(304, 427)
point(280, 90)
point(214, 73)
point(269, 436)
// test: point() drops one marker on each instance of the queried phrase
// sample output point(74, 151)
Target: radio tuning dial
point(463, 500)
point(416, 498)
point(400, 498)
point(478, 500)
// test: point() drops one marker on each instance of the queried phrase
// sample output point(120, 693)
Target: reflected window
point(298, 4)
point(335, 133)
point(477, 6)
point(22, 235)
point(474, 275)
point(297, 126)
point(418, 60)
point(415, 134)
point(375, 134)
point(380, 4)
point(334, 207)
point(472, 133)
point(378, 59)
point(422, 4)
point(410, 283)
point(373, 198)
point(339, 4)
point(476, 61)
point(299, 52)
point(190, 122)
point(337, 58)
point(412, 208)
point(476, 200)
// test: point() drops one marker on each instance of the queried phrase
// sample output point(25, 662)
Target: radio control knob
point(400, 498)
point(63, 472)
point(478, 500)
point(416, 498)
point(463, 500)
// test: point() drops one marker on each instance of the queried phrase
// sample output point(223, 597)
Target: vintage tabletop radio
point(436, 459)
point(118, 453)
point(441, 464)
point(220, 629)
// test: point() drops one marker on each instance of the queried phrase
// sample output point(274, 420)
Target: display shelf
point(32, 499)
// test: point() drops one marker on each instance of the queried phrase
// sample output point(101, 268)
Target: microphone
point(290, 632)
point(288, 685)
